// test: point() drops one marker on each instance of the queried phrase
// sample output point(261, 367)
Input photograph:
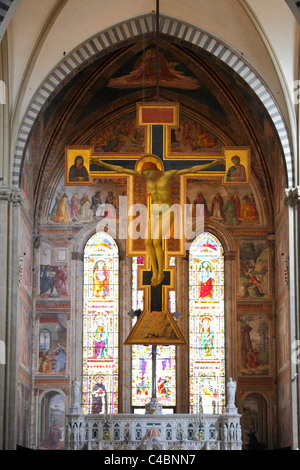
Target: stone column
point(125, 305)
point(230, 313)
point(76, 332)
point(182, 352)
point(293, 204)
point(10, 204)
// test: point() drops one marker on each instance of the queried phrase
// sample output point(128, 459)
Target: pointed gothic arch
point(130, 31)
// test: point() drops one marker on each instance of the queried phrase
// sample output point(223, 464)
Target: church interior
point(194, 103)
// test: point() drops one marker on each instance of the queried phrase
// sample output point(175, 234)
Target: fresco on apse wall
point(54, 270)
point(82, 204)
point(143, 73)
point(234, 205)
point(121, 136)
point(254, 269)
point(53, 281)
point(53, 421)
point(139, 73)
point(254, 337)
point(192, 137)
point(52, 356)
point(25, 332)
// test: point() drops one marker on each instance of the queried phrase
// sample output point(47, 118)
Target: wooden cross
point(158, 119)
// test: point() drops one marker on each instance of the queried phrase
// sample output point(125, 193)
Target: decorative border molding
point(103, 42)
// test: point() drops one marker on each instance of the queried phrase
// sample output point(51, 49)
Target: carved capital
point(12, 195)
point(17, 197)
point(292, 196)
point(4, 195)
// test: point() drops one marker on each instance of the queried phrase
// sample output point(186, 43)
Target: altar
point(154, 430)
point(172, 432)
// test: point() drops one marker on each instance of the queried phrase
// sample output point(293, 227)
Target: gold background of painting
point(244, 154)
point(71, 153)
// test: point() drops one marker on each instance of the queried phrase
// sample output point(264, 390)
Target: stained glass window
point(100, 325)
point(206, 325)
point(142, 359)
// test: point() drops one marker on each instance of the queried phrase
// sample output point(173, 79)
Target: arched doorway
point(52, 420)
point(255, 422)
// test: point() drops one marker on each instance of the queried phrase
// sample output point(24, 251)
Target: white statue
point(75, 432)
point(82, 433)
point(231, 433)
point(75, 397)
point(239, 433)
point(231, 389)
point(76, 391)
point(225, 433)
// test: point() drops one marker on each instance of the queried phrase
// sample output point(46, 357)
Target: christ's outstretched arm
point(115, 168)
point(196, 168)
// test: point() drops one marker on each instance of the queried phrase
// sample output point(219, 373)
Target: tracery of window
point(100, 325)
point(206, 325)
point(142, 359)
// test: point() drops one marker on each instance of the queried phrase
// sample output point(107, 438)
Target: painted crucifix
point(157, 180)
point(159, 201)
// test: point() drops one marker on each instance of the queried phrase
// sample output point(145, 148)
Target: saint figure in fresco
point(200, 199)
point(237, 172)
point(61, 358)
point(217, 206)
point(62, 212)
point(84, 212)
point(252, 361)
point(54, 436)
point(96, 202)
point(206, 282)
point(74, 205)
point(230, 211)
point(78, 171)
point(237, 205)
point(159, 190)
point(45, 365)
point(61, 281)
point(100, 280)
point(246, 210)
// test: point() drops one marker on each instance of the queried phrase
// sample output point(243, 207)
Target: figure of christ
point(159, 189)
